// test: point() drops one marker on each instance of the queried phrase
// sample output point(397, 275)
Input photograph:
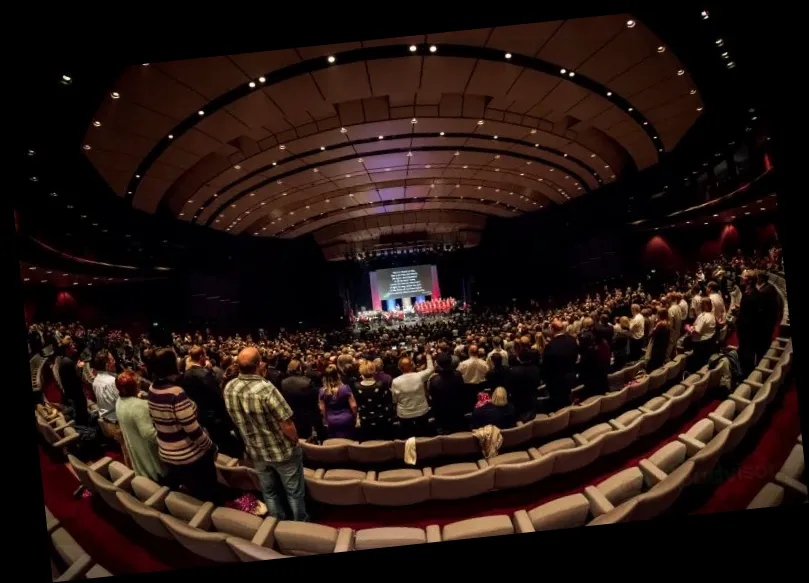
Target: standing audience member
point(67, 376)
point(717, 302)
point(559, 365)
point(703, 334)
point(675, 323)
point(595, 360)
point(500, 374)
point(658, 350)
point(620, 344)
point(374, 404)
point(302, 396)
point(637, 328)
point(264, 420)
point(474, 368)
point(337, 405)
point(183, 443)
point(106, 395)
point(136, 425)
point(446, 391)
point(410, 398)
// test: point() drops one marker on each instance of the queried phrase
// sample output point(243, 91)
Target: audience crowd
point(173, 404)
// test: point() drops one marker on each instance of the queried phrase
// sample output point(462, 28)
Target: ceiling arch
point(548, 111)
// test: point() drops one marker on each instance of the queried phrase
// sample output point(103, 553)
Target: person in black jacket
point(499, 375)
point(767, 315)
point(446, 392)
point(559, 366)
point(595, 360)
point(495, 411)
point(301, 394)
point(524, 380)
point(658, 345)
point(200, 384)
point(67, 376)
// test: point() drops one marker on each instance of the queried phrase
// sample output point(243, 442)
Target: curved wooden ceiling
point(284, 143)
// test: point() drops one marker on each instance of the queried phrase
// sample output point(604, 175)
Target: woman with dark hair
point(337, 405)
point(658, 345)
point(140, 435)
point(374, 404)
point(183, 444)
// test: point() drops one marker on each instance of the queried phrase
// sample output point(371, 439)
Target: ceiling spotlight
point(409, 154)
point(661, 49)
point(754, 118)
point(34, 179)
point(237, 167)
point(725, 55)
point(275, 163)
point(171, 136)
point(413, 48)
point(343, 130)
point(200, 112)
point(563, 71)
point(693, 91)
point(331, 58)
point(115, 95)
point(252, 84)
point(495, 137)
point(720, 42)
point(571, 74)
point(630, 23)
point(731, 64)
point(681, 72)
point(609, 93)
point(66, 79)
point(630, 109)
point(414, 121)
point(433, 48)
point(699, 108)
point(261, 79)
point(282, 147)
point(457, 154)
point(86, 146)
point(97, 123)
point(705, 15)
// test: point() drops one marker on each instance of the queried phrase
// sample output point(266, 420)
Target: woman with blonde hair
point(539, 343)
point(337, 405)
point(494, 410)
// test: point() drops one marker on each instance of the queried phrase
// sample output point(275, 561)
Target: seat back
point(82, 470)
point(328, 453)
point(460, 444)
point(517, 436)
point(613, 401)
point(182, 506)
point(705, 459)
point(147, 518)
point(389, 536)
point(478, 527)
point(249, 552)
point(568, 460)
point(347, 492)
point(657, 379)
point(211, 545)
point(565, 512)
point(402, 493)
point(651, 422)
point(523, 473)
point(369, 452)
point(619, 439)
point(663, 494)
point(426, 448)
point(459, 486)
point(585, 411)
point(631, 371)
point(638, 389)
point(681, 402)
point(239, 478)
point(738, 429)
point(622, 486)
point(304, 538)
point(616, 381)
point(107, 490)
point(545, 425)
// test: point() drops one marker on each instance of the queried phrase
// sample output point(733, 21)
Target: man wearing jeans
point(264, 420)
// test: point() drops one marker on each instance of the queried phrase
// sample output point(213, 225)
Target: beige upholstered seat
point(705, 458)
point(663, 494)
point(631, 371)
point(182, 506)
point(657, 379)
point(305, 538)
point(373, 451)
point(51, 522)
point(59, 437)
point(515, 457)
point(616, 381)
point(585, 411)
point(520, 474)
point(211, 545)
point(148, 491)
point(566, 512)
point(101, 467)
point(629, 418)
point(398, 475)
point(614, 401)
point(556, 445)
point(614, 491)
point(791, 473)
point(669, 457)
point(672, 370)
point(595, 431)
point(568, 460)
point(738, 429)
point(398, 492)
point(77, 561)
point(638, 389)
point(144, 515)
point(517, 436)
point(97, 572)
point(477, 527)
point(652, 420)
point(621, 437)
point(121, 476)
point(248, 551)
point(390, 536)
point(460, 444)
point(545, 425)
point(769, 496)
point(237, 523)
point(337, 487)
point(239, 478)
point(465, 480)
point(426, 448)
point(331, 452)
point(681, 398)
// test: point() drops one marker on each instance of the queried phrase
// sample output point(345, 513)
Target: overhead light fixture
point(331, 58)
point(725, 55)
point(252, 84)
point(433, 48)
point(414, 121)
point(343, 130)
point(630, 23)
point(705, 15)
point(201, 112)
point(495, 137)
point(381, 137)
point(699, 108)
point(480, 122)
point(237, 167)
point(440, 133)
point(609, 93)
point(413, 48)
point(681, 72)
point(731, 65)
point(115, 95)
point(563, 71)
point(87, 146)
point(171, 136)
point(720, 42)
point(508, 55)
point(275, 163)
point(66, 79)
point(693, 91)
point(630, 109)
point(261, 79)
point(282, 147)
point(661, 49)
point(571, 74)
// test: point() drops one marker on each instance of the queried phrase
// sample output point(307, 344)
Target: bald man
point(264, 420)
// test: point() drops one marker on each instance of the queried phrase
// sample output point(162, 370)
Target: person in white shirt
point(696, 302)
point(410, 397)
point(498, 349)
point(683, 307)
point(473, 369)
point(106, 393)
point(704, 335)
point(637, 328)
point(675, 324)
point(717, 302)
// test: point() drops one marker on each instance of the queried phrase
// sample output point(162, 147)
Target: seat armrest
point(765, 370)
point(645, 410)
point(721, 422)
point(101, 465)
point(580, 439)
point(693, 446)
point(319, 473)
point(598, 502)
point(433, 533)
point(65, 441)
point(483, 464)
point(791, 483)
point(428, 472)
point(741, 402)
point(202, 519)
point(158, 499)
point(616, 424)
point(264, 535)
point(345, 540)
point(63, 425)
point(533, 453)
point(754, 384)
point(371, 476)
point(124, 481)
point(77, 570)
point(522, 522)
point(651, 473)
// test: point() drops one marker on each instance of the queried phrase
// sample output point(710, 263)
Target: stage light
point(433, 48)
point(413, 48)
point(331, 59)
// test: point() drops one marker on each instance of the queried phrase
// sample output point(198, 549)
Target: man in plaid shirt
point(264, 420)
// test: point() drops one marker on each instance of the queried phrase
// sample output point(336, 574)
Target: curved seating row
point(69, 562)
point(335, 451)
point(406, 486)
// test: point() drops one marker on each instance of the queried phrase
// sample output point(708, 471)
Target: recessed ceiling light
point(413, 48)
point(34, 179)
point(409, 154)
point(609, 93)
point(592, 155)
point(731, 64)
point(86, 146)
point(681, 72)
point(252, 194)
point(343, 130)
point(115, 95)
point(252, 84)
point(440, 133)
point(508, 55)
point(630, 23)
point(275, 163)
point(661, 49)
point(522, 173)
point(754, 118)
point(182, 214)
point(495, 137)
point(315, 170)
point(563, 71)
point(331, 58)
point(699, 108)
point(465, 167)
point(433, 48)
point(763, 209)
point(720, 42)
point(414, 120)
point(565, 154)
point(171, 136)
point(497, 157)
point(66, 78)
point(536, 145)
point(725, 55)
point(261, 79)
point(201, 112)
point(480, 187)
point(381, 137)
point(237, 167)
point(137, 175)
point(571, 74)
point(693, 91)
point(705, 15)
point(630, 109)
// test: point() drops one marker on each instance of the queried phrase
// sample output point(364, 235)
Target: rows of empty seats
point(69, 562)
point(336, 451)
point(640, 492)
point(789, 485)
point(401, 487)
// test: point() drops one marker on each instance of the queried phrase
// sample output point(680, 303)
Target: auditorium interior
point(550, 253)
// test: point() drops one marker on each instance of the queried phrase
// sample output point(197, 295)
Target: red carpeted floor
point(116, 543)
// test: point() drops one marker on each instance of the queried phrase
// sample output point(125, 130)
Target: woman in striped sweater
point(183, 444)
